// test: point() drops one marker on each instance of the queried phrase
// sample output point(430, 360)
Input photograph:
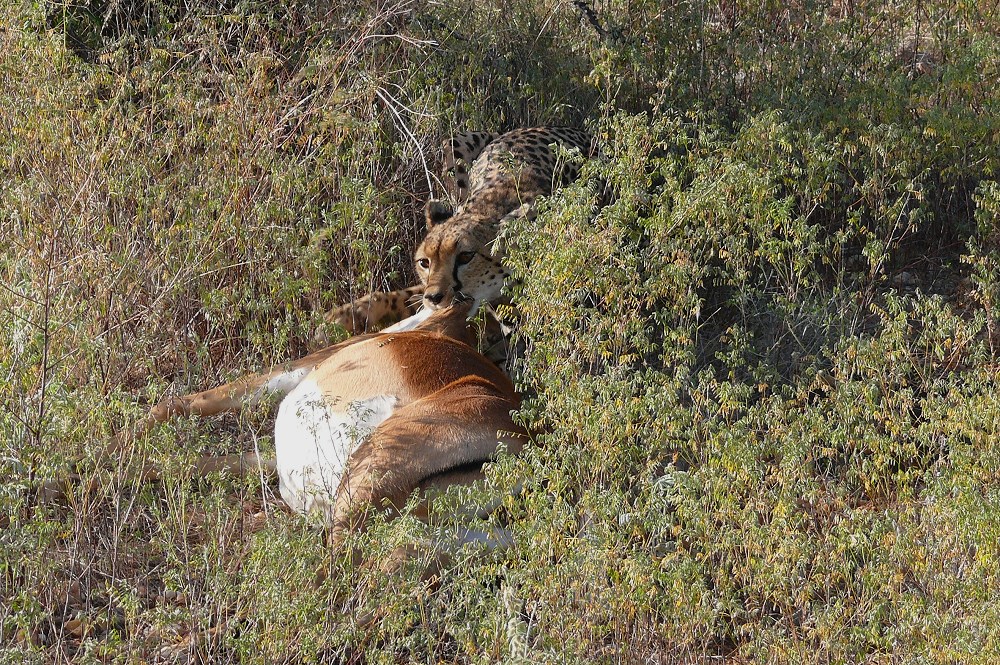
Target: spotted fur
point(494, 179)
point(369, 312)
point(460, 151)
point(460, 253)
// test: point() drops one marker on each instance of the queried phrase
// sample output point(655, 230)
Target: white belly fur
point(313, 439)
point(282, 384)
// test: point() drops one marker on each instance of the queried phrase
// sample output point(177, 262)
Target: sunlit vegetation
point(761, 330)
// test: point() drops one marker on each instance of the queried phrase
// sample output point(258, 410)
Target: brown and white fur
point(366, 422)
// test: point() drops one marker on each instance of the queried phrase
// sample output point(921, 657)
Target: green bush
point(760, 330)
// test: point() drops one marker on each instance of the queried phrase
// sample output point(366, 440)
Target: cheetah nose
point(435, 297)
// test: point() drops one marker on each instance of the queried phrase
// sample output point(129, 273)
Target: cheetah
point(496, 179)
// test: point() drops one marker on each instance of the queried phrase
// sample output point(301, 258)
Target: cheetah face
point(451, 264)
point(461, 253)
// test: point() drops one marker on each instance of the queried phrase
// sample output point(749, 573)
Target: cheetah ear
point(437, 211)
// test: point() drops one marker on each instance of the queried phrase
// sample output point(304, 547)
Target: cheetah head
point(460, 255)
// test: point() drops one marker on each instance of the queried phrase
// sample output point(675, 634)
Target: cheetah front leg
point(376, 309)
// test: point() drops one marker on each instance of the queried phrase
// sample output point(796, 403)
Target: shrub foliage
point(760, 331)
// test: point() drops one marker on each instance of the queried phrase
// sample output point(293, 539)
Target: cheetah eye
point(424, 263)
point(464, 257)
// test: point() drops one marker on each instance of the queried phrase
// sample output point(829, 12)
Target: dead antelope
point(366, 422)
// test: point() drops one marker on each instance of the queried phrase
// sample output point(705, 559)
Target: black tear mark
point(454, 276)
